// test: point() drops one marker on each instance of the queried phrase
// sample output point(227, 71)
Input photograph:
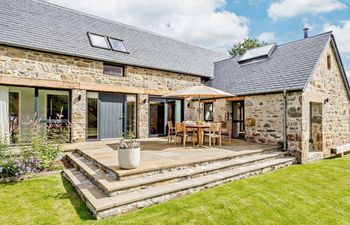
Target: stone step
point(113, 187)
point(102, 205)
point(131, 174)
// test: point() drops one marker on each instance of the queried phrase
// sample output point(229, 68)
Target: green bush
point(40, 147)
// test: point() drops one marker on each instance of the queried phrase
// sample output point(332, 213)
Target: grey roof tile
point(39, 25)
point(289, 67)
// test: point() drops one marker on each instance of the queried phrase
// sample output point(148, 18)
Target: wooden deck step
point(113, 187)
point(102, 205)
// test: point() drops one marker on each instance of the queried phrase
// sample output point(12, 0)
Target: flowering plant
point(40, 146)
point(129, 141)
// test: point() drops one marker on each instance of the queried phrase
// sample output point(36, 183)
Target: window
point(257, 53)
point(98, 41)
point(113, 70)
point(14, 116)
point(131, 113)
point(92, 115)
point(208, 111)
point(57, 105)
point(329, 62)
point(117, 45)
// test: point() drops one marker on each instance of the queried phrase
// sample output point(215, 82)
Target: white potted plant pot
point(129, 158)
point(129, 152)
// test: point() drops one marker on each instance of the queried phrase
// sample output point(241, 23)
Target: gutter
point(285, 142)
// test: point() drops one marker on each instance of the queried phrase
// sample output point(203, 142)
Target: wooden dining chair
point(181, 131)
point(214, 133)
point(226, 129)
point(171, 131)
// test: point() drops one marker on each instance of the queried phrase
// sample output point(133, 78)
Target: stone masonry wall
point(264, 119)
point(22, 63)
point(327, 87)
point(78, 115)
point(222, 110)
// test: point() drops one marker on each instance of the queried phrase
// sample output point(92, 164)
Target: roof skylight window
point(117, 45)
point(98, 41)
point(257, 53)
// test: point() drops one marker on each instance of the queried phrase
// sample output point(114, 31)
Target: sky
point(218, 24)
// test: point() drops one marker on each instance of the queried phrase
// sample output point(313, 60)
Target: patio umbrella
point(199, 92)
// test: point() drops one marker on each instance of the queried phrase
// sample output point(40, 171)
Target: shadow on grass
point(75, 200)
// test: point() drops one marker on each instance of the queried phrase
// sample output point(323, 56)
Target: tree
point(241, 47)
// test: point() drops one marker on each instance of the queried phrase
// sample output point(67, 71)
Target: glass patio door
point(161, 111)
point(238, 129)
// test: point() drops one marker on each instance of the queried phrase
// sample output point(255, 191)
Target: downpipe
point(285, 144)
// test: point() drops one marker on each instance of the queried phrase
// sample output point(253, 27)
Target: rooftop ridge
point(284, 44)
point(303, 39)
point(123, 24)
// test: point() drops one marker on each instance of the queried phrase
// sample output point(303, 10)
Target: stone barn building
point(107, 78)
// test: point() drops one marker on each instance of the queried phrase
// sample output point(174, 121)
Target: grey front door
point(111, 115)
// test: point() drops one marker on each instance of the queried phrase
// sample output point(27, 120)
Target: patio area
point(157, 154)
point(166, 171)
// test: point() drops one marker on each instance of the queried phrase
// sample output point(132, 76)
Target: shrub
point(40, 147)
point(40, 142)
point(129, 142)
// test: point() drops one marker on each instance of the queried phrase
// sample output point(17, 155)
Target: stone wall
point(23, 63)
point(222, 110)
point(264, 119)
point(326, 86)
point(78, 115)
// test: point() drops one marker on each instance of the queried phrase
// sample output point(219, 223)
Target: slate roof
point(43, 26)
point(288, 68)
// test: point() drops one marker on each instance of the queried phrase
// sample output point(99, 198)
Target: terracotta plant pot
point(129, 158)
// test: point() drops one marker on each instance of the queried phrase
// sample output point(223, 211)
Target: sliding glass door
point(161, 111)
point(50, 107)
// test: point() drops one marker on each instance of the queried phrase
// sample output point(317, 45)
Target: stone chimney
point(306, 32)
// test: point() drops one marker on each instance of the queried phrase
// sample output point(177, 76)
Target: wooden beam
point(240, 98)
point(34, 82)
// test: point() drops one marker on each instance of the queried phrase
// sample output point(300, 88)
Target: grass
point(317, 193)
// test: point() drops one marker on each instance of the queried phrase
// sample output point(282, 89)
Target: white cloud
point(267, 37)
point(202, 22)
point(341, 34)
point(291, 8)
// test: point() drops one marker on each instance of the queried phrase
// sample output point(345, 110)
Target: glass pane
point(92, 118)
point(178, 110)
point(157, 116)
point(117, 45)
point(171, 111)
point(57, 106)
point(98, 41)
point(238, 119)
point(113, 70)
point(14, 115)
point(208, 111)
point(131, 113)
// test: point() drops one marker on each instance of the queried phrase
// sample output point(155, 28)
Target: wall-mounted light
point(326, 100)
point(79, 97)
point(144, 101)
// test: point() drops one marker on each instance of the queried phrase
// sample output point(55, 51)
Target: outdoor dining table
point(200, 131)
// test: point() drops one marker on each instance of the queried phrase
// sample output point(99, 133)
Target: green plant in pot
point(129, 152)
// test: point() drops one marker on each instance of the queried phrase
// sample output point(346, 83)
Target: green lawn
point(317, 193)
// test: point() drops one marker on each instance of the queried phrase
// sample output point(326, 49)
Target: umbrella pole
point(199, 107)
